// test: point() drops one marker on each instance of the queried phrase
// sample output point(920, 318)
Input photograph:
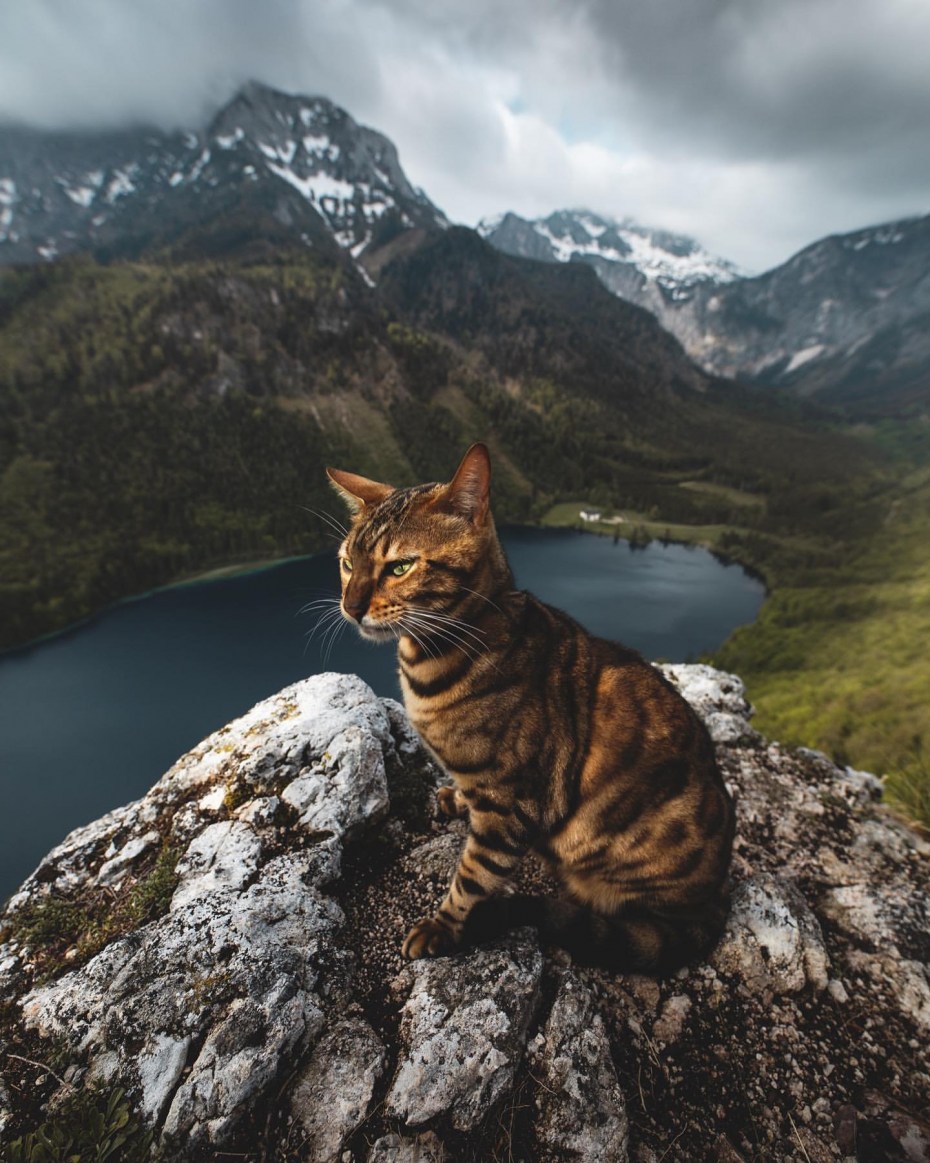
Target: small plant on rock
point(89, 1127)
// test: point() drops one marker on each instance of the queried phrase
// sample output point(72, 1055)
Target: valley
point(171, 390)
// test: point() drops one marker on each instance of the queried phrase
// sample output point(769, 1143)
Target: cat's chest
point(449, 737)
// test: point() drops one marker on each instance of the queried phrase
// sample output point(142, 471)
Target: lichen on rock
point(464, 1027)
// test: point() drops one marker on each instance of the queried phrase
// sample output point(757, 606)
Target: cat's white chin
point(376, 633)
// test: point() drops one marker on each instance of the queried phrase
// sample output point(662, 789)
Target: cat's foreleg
point(492, 852)
point(450, 803)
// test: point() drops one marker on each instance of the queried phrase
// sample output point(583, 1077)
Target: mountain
point(158, 417)
point(653, 268)
point(846, 320)
point(270, 163)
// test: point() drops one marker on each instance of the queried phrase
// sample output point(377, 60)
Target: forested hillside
point(159, 418)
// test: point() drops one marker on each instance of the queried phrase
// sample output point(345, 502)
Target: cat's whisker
point(418, 638)
point(444, 634)
point(316, 605)
point(325, 622)
point(331, 606)
point(461, 643)
point(329, 519)
point(440, 616)
point(455, 624)
point(408, 629)
point(330, 639)
point(484, 598)
point(475, 649)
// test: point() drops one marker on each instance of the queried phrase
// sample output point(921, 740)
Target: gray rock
point(837, 991)
point(116, 867)
point(906, 982)
point(346, 789)
point(197, 1012)
point(238, 972)
point(439, 856)
point(862, 785)
point(772, 940)
point(463, 1031)
point(671, 1020)
point(425, 1148)
point(160, 1064)
point(913, 990)
point(719, 698)
point(333, 1090)
point(581, 1109)
point(223, 855)
point(859, 910)
point(6, 1111)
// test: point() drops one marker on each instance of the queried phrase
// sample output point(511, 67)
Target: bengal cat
point(558, 743)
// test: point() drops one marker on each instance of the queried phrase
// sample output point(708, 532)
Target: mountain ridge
point(845, 319)
point(313, 168)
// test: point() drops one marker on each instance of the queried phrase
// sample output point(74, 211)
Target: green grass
point(567, 514)
point(737, 497)
point(84, 925)
point(92, 1126)
point(840, 662)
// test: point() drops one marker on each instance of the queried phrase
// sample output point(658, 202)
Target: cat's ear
point(358, 491)
point(469, 491)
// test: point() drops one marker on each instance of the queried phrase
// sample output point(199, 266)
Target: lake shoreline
point(245, 568)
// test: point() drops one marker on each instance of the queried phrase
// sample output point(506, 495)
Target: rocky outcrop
point(220, 963)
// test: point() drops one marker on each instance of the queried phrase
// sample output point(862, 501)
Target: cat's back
point(617, 713)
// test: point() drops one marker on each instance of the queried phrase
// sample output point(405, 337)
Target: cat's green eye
point(347, 565)
point(401, 567)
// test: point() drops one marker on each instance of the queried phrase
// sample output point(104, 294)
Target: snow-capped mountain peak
point(634, 261)
point(62, 192)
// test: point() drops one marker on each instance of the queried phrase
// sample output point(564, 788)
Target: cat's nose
point(355, 608)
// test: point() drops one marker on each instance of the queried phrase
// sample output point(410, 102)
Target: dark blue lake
point(91, 718)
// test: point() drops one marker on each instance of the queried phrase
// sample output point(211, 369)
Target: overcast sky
point(755, 125)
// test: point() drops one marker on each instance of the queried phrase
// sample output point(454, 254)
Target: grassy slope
point(838, 660)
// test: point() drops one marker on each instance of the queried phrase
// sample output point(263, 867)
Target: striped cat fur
point(558, 743)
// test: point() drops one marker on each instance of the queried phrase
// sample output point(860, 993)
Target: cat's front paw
point(430, 937)
point(450, 803)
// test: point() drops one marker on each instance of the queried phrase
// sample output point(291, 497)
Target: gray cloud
point(757, 126)
point(784, 78)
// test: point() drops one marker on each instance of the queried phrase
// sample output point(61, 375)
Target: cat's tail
point(655, 940)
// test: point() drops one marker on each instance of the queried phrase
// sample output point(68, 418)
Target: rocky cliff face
point(217, 965)
point(846, 319)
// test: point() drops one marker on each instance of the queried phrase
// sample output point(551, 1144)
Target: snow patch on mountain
point(230, 140)
point(121, 184)
point(672, 262)
point(317, 187)
point(7, 198)
point(805, 355)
